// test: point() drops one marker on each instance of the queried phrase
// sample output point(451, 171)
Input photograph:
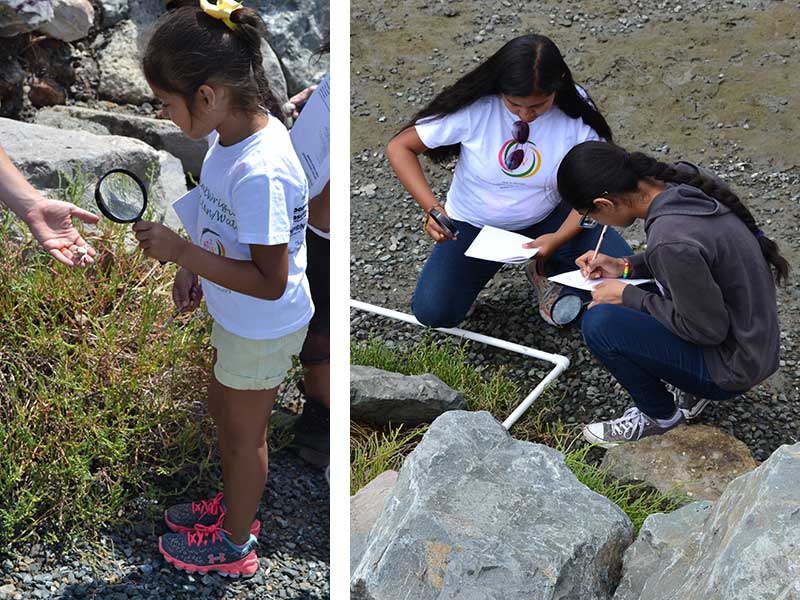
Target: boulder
point(742, 547)
point(121, 77)
point(45, 155)
point(365, 507)
point(297, 29)
point(158, 133)
point(478, 515)
point(114, 11)
point(274, 71)
point(71, 21)
point(698, 461)
point(380, 397)
point(21, 16)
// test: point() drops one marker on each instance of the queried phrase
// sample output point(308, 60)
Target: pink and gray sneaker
point(547, 292)
point(182, 518)
point(208, 549)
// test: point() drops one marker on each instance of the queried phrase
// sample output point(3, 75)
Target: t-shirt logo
point(529, 165)
point(212, 241)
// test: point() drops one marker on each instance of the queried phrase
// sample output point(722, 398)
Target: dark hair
point(593, 169)
point(529, 64)
point(190, 48)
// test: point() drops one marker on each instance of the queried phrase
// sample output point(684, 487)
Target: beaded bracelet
point(626, 270)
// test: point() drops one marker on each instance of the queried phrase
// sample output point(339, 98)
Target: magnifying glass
point(121, 196)
point(567, 309)
point(443, 221)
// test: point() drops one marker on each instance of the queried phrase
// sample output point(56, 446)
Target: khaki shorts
point(244, 364)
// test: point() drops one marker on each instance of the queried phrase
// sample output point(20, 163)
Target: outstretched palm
point(50, 221)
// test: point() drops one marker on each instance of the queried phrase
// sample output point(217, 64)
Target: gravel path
point(706, 81)
point(293, 553)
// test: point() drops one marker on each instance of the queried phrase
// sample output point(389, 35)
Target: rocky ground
point(126, 564)
point(710, 81)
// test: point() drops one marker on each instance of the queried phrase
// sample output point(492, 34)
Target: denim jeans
point(450, 281)
point(642, 353)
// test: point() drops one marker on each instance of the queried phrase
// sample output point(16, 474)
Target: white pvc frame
point(560, 362)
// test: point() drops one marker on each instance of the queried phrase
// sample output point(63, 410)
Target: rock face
point(159, 133)
point(477, 515)
point(20, 16)
point(121, 77)
point(275, 76)
point(365, 507)
point(296, 30)
point(697, 460)
point(92, 155)
point(381, 397)
point(743, 547)
point(72, 20)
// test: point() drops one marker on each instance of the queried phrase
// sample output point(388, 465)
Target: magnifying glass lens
point(566, 309)
point(120, 195)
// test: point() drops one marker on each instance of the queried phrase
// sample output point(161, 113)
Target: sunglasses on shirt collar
point(520, 132)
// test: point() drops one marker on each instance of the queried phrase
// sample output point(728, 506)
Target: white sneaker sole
point(696, 409)
point(593, 439)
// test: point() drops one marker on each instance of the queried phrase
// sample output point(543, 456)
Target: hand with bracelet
point(437, 233)
point(603, 267)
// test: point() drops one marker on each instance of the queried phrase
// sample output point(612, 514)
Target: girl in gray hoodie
point(712, 332)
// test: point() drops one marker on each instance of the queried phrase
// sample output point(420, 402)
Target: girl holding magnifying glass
point(713, 332)
point(509, 122)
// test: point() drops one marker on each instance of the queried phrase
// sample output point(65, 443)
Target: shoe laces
point(631, 423)
point(208, 507)
point(201, 535)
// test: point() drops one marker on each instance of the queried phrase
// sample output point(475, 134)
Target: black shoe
point(312, 437)
point(690, 405)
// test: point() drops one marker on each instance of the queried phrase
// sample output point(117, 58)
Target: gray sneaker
point(690, 405)
point(630, 427)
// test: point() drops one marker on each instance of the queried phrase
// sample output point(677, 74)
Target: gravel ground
point(293, 553)
point(707, 81)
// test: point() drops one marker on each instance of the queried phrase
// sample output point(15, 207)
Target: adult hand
point(547, 245)
point(603, 267)
point(50, 221)
point(432, 228)
point(158, 241)
point(608, 292)
point(186, 290)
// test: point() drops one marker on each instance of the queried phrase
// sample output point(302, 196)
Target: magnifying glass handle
point(175, 313)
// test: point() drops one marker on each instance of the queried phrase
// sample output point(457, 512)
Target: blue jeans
point(641, 352)
point(450, 281)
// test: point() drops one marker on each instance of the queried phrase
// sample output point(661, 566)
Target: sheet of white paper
point(574, 279)
point(186, 208)
point(499, 245)
point(311, 137)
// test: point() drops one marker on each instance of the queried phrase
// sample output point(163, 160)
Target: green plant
point(373, 452)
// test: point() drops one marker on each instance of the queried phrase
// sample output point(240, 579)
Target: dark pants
point(317, 346)
point(642, 353)
point(450, 281)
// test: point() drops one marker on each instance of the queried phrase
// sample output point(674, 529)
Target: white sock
point(669, 422)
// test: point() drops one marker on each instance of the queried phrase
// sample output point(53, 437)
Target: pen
point(597, 249)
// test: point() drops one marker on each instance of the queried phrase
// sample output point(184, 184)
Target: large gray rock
point(21, 16)
point(71, 21)
point(114, 11)
point(274, 71)
point(743, 547)
point(121, 77)
point(45, 155)
point(365, 507)
point(297, 29)
point(478, 515)
point(380, 397)
point(159, 133)
point(698, 461)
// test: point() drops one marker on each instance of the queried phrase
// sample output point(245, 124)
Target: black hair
point(527, 65)
point(593, 169)
point(190, 48)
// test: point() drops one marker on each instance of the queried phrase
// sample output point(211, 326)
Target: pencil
point(600, 241)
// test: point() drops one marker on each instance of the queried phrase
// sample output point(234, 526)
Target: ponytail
point(594, 169)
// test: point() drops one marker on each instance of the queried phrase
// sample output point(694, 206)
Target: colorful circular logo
point(212, 241)
point(530, 164)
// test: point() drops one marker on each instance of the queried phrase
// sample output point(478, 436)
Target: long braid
point(646, 166)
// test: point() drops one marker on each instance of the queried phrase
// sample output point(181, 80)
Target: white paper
point(186, 208)
point(499, 245)
point(574, 279)
point(311, 137)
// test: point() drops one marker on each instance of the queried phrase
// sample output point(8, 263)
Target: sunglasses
point(520, 132)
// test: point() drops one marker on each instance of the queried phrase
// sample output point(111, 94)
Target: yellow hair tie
point(222, 10)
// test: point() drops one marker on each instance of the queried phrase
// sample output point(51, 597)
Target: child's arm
point(264, 276)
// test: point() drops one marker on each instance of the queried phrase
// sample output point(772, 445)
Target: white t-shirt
point(483, 190)
point(255, 192)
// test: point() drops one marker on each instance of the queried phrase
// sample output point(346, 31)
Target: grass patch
point(374, 451)
point(97, 404)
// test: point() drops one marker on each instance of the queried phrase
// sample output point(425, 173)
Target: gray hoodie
point(719, 291)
